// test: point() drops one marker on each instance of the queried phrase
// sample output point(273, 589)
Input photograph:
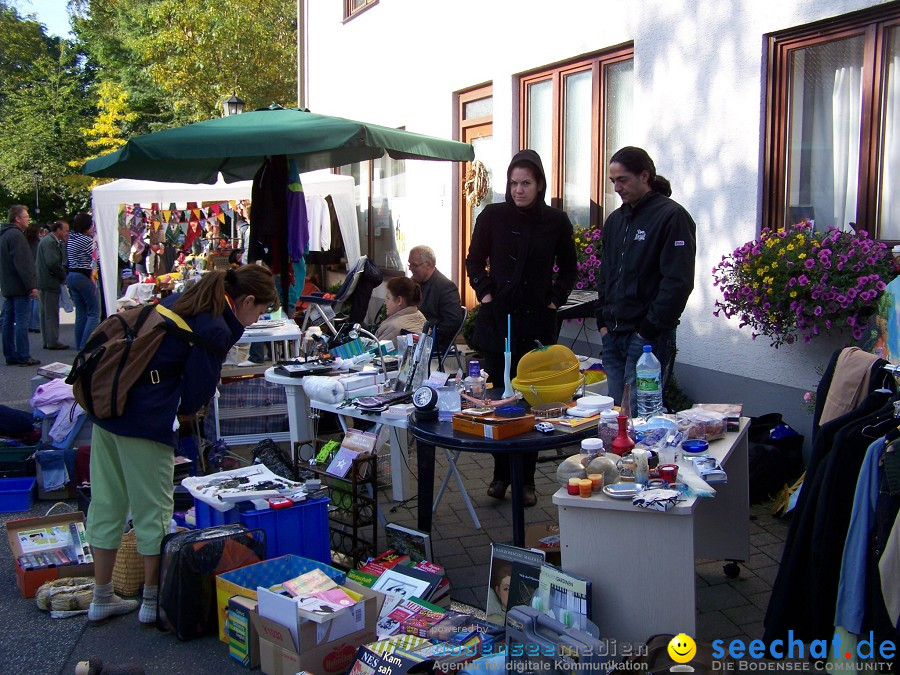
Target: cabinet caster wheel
point(732, 569)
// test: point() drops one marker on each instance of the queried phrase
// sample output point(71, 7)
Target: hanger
point(886, 427)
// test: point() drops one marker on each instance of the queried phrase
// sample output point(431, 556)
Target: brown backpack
point(118, 353)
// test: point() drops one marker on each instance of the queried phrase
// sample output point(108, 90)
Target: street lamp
point(37, 184)
point(232, 105)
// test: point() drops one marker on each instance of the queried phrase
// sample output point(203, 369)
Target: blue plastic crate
point(301, 529)
point(17, 494)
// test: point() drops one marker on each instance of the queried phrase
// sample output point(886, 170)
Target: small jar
point(608, 427)
point(573, 488)
point(592, 446)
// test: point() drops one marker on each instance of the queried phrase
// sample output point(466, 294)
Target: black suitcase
point(189, 563)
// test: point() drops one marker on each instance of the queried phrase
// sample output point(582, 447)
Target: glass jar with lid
point(608, 427)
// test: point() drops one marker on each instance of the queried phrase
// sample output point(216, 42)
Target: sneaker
point(529, 497)
point(29, 362)
point(100, 613)
point(59, 346)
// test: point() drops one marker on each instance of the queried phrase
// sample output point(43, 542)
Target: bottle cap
point(592, 445)
point(609, 414)
point(648, 348)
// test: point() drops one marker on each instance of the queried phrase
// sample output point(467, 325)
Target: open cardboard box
point(289, 644)
point(29, 581)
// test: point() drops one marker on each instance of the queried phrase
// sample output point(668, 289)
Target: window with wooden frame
point(353, 8)
point(832, 148)
point(575, 116)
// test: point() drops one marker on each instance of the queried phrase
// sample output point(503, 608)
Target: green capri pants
point(130, 472)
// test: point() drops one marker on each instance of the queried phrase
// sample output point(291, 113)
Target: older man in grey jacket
point(18, 285)
point(51, 274)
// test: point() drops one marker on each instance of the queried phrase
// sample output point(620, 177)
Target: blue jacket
point(151, 408)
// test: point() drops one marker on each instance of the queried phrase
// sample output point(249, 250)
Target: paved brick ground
point(727, 608)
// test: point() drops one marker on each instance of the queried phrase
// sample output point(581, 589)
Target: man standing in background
point(51, 274)
point(440, 296)
point(19, 285)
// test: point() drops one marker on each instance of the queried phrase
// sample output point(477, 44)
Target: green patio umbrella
point(236, 146)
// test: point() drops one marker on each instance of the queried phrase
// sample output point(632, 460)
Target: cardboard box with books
point(289, 643)
point(47, 548)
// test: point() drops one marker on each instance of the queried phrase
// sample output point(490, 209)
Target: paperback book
point(414, 543)
point(398, 587)
point(513, 580)
point(565, 596)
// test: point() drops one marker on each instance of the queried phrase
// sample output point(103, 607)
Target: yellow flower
point(790, 247)
point(774, 264)
point(801, 256)
point(771, 242)
point(793, 294)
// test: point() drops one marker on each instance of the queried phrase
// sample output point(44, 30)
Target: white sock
point(148, 606)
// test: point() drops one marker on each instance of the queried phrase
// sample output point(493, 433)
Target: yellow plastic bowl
point(546, 359)
point(547, 377)
point(536, 394)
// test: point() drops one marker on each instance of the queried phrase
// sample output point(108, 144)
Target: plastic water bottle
point(649, 384)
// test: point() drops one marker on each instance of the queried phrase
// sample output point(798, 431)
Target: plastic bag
point(65, 300)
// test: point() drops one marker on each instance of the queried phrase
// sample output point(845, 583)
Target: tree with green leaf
point(186, 56)
point(42, 121)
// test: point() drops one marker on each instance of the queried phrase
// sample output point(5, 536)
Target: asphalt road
point(33, 643)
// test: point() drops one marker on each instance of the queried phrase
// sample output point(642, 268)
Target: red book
point(385, 561)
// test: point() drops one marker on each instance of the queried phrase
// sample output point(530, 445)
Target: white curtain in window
point(577, 146)
point(826, 102)
point(890, 175)
point(540, 127)
point(618, 130)
point(846, 106)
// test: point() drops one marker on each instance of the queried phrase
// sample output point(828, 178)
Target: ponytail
point(208, 294)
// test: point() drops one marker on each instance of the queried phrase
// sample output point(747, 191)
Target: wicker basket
point(128, 573)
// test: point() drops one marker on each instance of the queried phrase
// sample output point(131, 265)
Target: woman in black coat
point(515, 247)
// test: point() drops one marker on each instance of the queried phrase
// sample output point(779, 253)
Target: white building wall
point(699, 106)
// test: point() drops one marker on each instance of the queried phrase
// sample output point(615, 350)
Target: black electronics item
point(426, 415)
point(538, 643)
point(425, 398)
point(382, 400)
point(298, 369)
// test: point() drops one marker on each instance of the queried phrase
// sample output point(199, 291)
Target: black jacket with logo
point(647, 268)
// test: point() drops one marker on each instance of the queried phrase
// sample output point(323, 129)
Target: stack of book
point(318, 597)
point(417, 594)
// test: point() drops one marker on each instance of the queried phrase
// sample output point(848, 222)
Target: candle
point(585, 487)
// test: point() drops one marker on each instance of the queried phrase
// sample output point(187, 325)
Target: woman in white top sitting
point(401, 300)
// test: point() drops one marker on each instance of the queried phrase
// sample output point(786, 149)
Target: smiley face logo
point(682, 648)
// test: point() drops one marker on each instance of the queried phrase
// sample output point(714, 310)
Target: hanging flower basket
point(797, 283)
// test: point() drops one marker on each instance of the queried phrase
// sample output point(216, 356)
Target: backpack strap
point(182, 330)
point(174, 318)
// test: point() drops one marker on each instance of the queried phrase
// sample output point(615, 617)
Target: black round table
point(430, 435)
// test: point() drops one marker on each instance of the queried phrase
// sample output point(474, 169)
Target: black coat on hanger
point(805, 590)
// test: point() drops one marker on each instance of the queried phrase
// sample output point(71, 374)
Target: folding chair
point(452, 470)
point(452, 348)
point(354, 293)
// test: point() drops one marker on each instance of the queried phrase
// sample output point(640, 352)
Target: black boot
point(497, 489)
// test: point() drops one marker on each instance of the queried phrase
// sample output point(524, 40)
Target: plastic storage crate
point(17, 494)
point(301, 529)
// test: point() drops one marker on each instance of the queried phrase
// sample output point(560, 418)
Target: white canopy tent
point(106, 201)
